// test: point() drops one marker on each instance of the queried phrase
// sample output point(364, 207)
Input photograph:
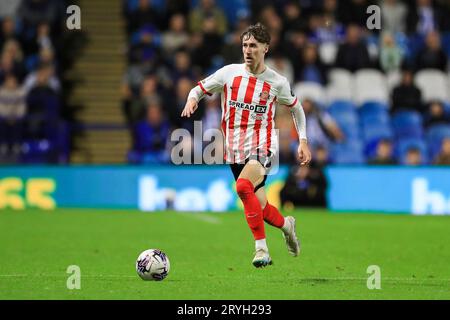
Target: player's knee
point(244, 188)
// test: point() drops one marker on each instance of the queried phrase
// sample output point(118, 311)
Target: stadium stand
point(375, 86)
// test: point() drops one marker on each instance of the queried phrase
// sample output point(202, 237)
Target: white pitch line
point(202, 217)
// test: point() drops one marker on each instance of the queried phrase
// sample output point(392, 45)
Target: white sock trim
point(261, 244)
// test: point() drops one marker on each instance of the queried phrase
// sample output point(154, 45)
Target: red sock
point(252, 208)
point(272, 216)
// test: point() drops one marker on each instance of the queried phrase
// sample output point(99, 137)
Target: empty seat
point(310, 90)
point(370, 85)
point(340, 85)
point(347, 153)
point(433, 84)
point(373, 132)
point(346, 117)
point(393, 79)
point(373, 109)
point(407, 124)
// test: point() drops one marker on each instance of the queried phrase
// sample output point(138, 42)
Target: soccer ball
point(152, 264)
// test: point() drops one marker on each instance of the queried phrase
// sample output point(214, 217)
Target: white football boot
point(261, 258)
point(290, 236)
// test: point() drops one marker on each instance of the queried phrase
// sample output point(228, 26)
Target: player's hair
point(258, 31)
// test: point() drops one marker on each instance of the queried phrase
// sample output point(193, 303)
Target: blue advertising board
point(416, 190)
point(184, 188)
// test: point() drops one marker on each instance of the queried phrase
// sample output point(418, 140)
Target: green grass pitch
point(211, 255)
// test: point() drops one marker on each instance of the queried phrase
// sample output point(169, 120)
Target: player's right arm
point(208, 86)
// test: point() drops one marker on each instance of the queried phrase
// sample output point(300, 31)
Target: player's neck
point(257, 68)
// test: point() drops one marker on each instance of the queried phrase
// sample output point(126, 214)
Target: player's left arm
point(288, 98)
point(298, 115)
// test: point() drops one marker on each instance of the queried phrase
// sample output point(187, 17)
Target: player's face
point(253, 51)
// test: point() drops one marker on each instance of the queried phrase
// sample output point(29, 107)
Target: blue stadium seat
point(341, 106)
point(375, 132)
point(404, 145)
point(435, 135)
point(344, 113)
point(407, 124)
point(372, 108)
point(347, 153)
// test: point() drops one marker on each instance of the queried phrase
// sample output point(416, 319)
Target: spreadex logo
point(246, 106)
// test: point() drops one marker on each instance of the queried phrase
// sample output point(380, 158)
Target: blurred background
point(377, 102)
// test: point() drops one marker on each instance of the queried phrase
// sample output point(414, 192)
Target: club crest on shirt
point(264, 95)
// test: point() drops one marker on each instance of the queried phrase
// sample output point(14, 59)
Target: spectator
point(207, 45)
point(432, 56)
point(232, 49)
point(43, 104)
point(176, 37)
point(443, 158)
point(212, 116)
point(407, 96)
point(134, 108)
point(150, 136)
point(436, 114)
point(320, 126)
point(182, 67)
point(8, 31)
point(270, 18)
point(12, 111)
point(312, 69)
point(9, 66)
point(44, 73)
point(391, 55)
point(353, 54)
point(182, 88)
point(423, 18)
point(207, 9)
point(303, 187)
point(384, 154)
point(293, 44)
point(393, 16)
point(33, 12)
point(353, 12)
point(42, 40)
point(146, 46)
point(413, 157)
point(292, 16)
point(212, 121)
point(326, 29)
point(144, 15)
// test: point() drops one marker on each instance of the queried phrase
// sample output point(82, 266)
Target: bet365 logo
point(19, 194)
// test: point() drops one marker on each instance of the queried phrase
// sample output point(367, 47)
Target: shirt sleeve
point(213, 83)
point(286, 96)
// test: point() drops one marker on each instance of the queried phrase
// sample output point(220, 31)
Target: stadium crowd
point(370, 96)
point(31, 128)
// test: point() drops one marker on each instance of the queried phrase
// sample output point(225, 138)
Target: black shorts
point(237, 168)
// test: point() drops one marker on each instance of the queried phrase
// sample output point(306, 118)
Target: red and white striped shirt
point(248, 109)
